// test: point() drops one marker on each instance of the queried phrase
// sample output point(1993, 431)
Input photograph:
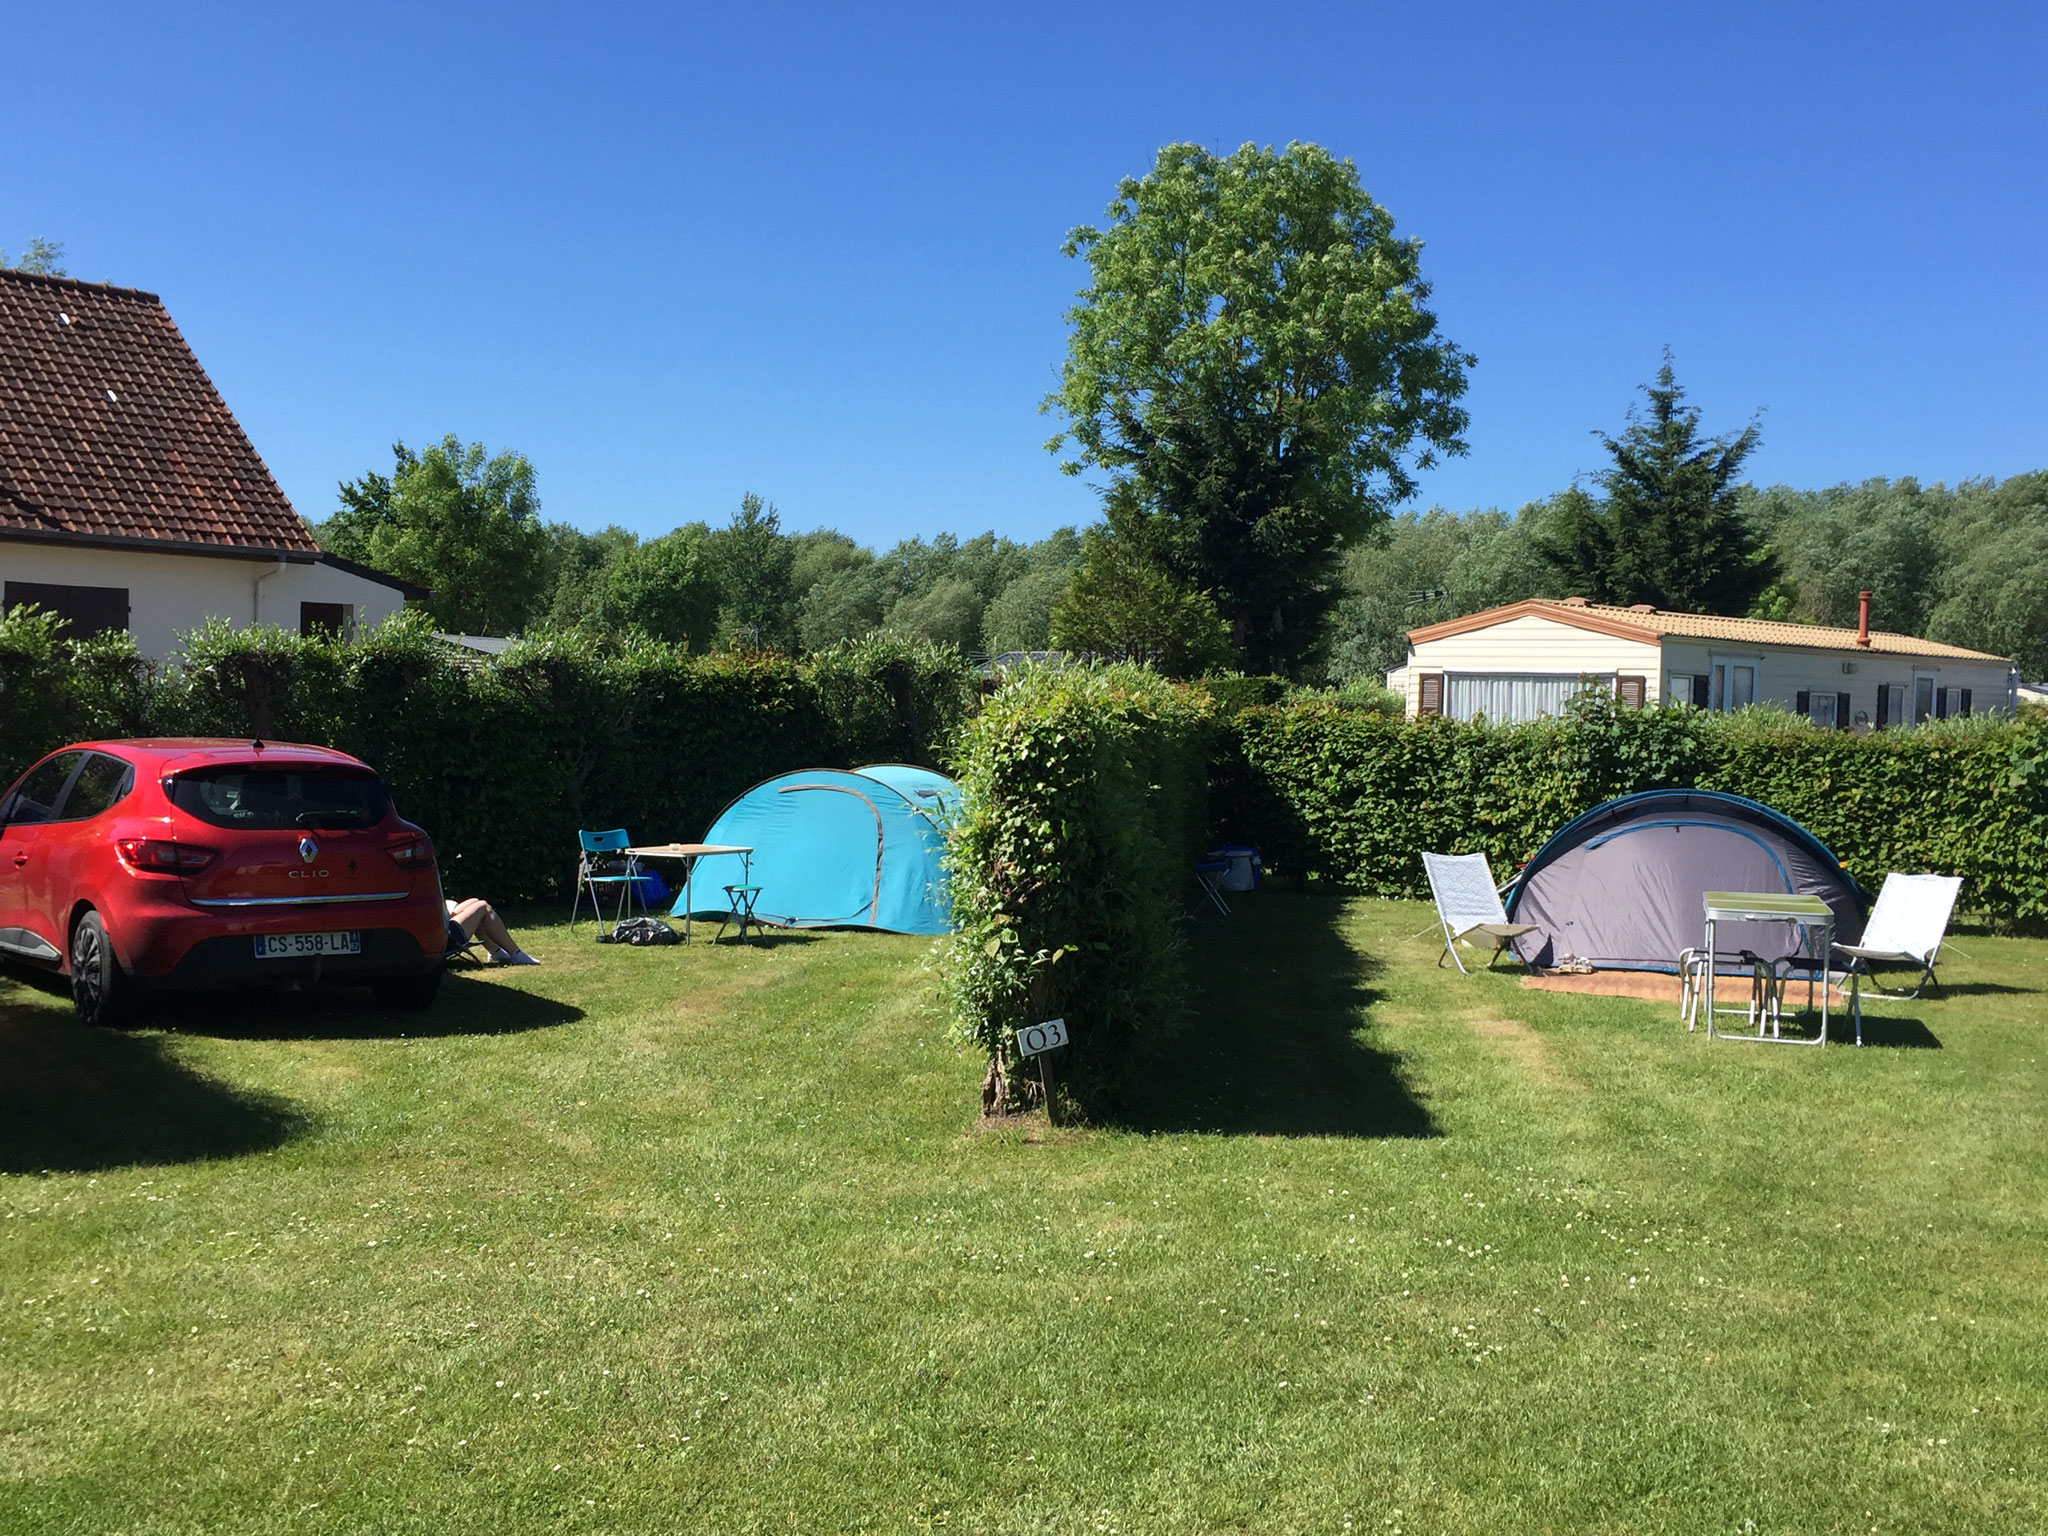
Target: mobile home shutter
point(1884, 703)
point(1940, 702)
point(1803, 704)
point(1630, 690)
point(1966, 701)
point(1841, 711)
point(1702, 689)
point(1429, 694)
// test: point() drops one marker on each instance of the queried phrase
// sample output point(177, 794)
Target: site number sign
point(1033, 1038)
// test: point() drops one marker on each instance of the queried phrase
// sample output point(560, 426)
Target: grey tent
point(1621, 886)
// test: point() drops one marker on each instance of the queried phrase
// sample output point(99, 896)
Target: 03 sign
point(1033, 1038)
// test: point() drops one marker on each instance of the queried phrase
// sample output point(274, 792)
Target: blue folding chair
point(604, 862)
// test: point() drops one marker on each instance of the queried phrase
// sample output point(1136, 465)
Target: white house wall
point(1782, 675)
point(169, 595)
point(1534, 644)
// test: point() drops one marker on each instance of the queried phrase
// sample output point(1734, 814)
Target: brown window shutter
point(1842, 711)
point(1630, 690)
point(1429, 694)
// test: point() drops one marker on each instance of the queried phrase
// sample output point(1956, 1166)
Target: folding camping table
point(690, 853)
point(1808, 912)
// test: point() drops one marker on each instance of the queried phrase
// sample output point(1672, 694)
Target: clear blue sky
point(814, 251)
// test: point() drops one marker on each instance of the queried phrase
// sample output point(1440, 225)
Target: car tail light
point(415, 851)
point(155, 857)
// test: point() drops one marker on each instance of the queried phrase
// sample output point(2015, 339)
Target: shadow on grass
point(1890, 1031)
point(1271, 1046)
point(78, 1100)
point(466, 1005)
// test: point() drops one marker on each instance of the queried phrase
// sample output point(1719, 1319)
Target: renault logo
point(308, 850)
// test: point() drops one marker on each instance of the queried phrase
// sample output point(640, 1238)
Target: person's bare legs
point(478, 919)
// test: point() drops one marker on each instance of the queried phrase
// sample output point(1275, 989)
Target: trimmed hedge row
point(503, 759)
point(1357, 798)
point(1085, 801)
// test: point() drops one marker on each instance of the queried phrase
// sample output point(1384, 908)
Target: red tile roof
point(109, 428)
point(1657, 623)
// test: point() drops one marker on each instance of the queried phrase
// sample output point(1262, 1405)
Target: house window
point(1503, 697)
point(1732, 685)
point(1925, 695)
point(337, 620)
point(89, 611)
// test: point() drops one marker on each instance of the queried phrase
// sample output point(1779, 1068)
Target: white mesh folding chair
point(1906, 927)
point(1468, 906)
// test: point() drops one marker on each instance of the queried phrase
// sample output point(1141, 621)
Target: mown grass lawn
point(707, 1239)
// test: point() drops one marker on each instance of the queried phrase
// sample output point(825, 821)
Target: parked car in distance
point(139, 866)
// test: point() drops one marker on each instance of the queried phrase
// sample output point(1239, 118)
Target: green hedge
point(1084, 804)
point(1347, 795)
point(503, 759)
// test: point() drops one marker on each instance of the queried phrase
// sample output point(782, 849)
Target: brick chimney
point(1863, 618)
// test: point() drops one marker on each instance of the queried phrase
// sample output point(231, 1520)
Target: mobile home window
point(1923, 697)
point(1733, 685)
point(1503, 697)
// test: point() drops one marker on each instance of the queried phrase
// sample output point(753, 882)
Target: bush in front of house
point(1357, 798)
point(502, 758)
point(1084, 806)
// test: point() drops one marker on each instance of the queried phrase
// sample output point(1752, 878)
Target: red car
point(138, 866)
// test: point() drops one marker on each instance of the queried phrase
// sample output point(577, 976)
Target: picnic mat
point(1650, 986)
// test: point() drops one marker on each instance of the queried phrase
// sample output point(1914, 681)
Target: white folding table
point(1807, 912)
point(690, 853)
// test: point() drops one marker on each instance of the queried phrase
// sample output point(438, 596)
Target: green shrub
point(503, 759)
point(54, 690)
point(1085, 803)
point(1357, 798)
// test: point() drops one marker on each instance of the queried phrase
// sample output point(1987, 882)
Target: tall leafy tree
point(1670, 528)
point(1122, 600)
point(44, 257)
point(663, 588)
point(752, 562)
point(457, 519)
point(1254, 357)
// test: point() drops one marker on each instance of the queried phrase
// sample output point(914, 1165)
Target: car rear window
point(102, 783)
point(265, 799)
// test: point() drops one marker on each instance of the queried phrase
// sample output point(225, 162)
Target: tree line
point(466, 523)
point(1256, 380)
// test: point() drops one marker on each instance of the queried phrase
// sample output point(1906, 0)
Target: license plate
point(294, 946)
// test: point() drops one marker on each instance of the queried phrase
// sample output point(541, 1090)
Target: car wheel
point(100, 989)
point(408, 991)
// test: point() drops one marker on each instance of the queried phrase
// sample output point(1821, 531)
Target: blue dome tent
point(837, 848)
point(1623, 885)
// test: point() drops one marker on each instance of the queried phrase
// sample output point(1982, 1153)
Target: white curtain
point(1507, 696)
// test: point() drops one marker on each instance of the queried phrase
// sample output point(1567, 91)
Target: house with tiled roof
point(1525, 660)
point(130, 498)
